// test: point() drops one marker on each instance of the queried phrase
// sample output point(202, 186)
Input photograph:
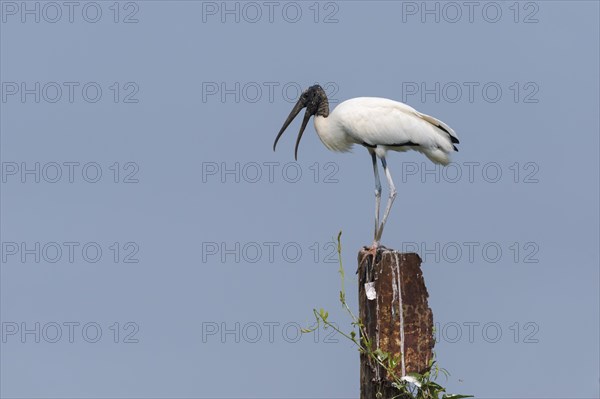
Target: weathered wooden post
point(393, 308)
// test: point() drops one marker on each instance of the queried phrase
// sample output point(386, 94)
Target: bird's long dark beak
point(295, 111)
point(307, 116)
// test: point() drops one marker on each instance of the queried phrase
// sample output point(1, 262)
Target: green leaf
point(435, 386)
point(381, 355)
point(445, 372)
point(323, 314)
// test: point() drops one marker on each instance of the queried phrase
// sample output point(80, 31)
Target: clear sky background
point(198, 252)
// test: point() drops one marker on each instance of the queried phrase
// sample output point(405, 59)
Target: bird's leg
point(373, 249)
point(377, 195)
point(390, 199)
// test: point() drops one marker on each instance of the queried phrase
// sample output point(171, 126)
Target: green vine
point(418, 386)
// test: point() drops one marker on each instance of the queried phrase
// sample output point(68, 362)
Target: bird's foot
point(371, 251)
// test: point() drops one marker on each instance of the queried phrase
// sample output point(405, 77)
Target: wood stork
point(379, 125)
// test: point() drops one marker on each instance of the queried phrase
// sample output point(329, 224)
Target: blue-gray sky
point(141, 198)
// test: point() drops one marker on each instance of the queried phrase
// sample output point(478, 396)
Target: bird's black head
point(315, 101)
point(314, 97)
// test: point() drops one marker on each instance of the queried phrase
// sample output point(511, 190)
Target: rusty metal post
point(393, 308)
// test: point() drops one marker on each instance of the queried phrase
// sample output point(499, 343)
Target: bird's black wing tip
point(453, 139)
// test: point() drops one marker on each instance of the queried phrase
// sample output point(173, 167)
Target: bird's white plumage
point(378, 124)
point(386, 125)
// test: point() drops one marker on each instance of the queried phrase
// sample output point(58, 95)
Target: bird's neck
point(323, 109)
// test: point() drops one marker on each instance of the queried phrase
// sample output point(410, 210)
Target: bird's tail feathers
point(451, 134)
point(437, 155)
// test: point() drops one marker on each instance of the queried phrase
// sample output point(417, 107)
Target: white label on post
point(370, 291)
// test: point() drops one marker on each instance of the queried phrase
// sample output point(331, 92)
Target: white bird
point(379, 125)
